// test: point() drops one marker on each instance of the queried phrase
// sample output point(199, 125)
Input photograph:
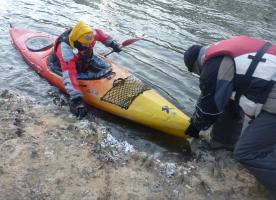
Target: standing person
point(238, 76)
point(73, 51)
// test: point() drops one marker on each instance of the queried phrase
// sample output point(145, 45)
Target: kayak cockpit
point(39, 43)
point(93, 73)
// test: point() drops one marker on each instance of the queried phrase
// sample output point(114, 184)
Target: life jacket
point(84, 57)
point(255, 69)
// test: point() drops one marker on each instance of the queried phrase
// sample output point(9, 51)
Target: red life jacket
point(83, 57)
point(237, 46)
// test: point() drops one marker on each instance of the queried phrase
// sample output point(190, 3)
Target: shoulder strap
point(64, 37)
point(253, 65)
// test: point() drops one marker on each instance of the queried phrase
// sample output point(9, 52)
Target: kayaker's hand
point(78, 108)
point(115, 46)
point(192, 131)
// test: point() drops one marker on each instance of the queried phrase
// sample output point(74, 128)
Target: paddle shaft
point(108, 53)
point(125, 43)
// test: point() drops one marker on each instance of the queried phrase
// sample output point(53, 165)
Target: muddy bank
point(46, 153)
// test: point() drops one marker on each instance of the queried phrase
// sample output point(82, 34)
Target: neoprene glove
point(115, 46)
point(78, 108)
point(192, 131)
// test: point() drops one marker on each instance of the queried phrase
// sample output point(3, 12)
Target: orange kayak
point(117, 92)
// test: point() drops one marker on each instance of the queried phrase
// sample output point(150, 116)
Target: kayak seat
point(39, 43)
point(93, 74)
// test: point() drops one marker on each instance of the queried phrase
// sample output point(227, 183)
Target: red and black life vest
point(84, 56)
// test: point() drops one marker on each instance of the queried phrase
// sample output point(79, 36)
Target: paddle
point(126, 43)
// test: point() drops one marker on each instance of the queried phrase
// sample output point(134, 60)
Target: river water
point(169, 27)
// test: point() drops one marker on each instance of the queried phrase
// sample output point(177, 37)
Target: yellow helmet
point(81, 33)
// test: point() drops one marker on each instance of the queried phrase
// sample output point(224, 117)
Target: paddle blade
point(130, 41)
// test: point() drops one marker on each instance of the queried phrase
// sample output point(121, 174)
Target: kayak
point(116, 91)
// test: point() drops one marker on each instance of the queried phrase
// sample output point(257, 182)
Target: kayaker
point(74, 52)
point(237, 77)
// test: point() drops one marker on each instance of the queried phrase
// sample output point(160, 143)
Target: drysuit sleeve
point(216, 86)
point(103, 37)
point(69, 72)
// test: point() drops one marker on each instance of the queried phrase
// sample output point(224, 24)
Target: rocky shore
point(46, 153)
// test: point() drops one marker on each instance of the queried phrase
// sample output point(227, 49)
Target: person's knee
point(237, 155)
point(249, 155)
point(246, 150)
point(240, 154)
